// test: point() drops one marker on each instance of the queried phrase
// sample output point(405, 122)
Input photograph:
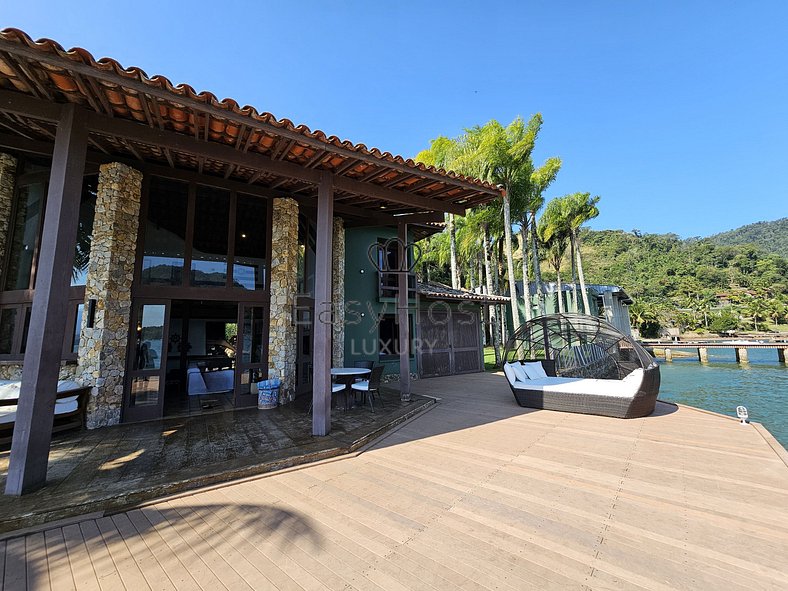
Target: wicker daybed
point(585, 365)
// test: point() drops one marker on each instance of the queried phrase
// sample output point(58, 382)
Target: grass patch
point(489, 359)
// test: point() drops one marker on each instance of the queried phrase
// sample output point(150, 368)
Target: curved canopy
point(581, 346)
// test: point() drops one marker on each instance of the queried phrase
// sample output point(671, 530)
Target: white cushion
point(581, 386)
point(508, 370)
point(66, 385)
point(7, 414)
point(519, 373)
point(534, 370)
point(10, 390)
point(337, 388)
point(363, 385)
point(67, 400)
point(635, 376)
point(62, 407)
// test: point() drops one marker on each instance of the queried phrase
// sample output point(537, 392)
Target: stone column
point(102, 349)
point(7, 178)
point(338, 295)
point(741, 355)
point(284, 284)
point(668, 354)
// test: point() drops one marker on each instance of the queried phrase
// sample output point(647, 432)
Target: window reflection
point(253, 328)
point(24, 235)
point(150, 336)
point(251, 242)
point(165, 233)
point(209, 250)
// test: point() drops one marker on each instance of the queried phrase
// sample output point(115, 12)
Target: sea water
point(722, 384)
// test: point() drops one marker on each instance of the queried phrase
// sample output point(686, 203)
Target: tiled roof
point(439, 291)
point(43, 69)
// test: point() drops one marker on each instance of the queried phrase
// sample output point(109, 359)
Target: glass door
point(147, 361)
point(252, 354)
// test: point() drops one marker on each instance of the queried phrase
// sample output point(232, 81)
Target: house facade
point(156, 242)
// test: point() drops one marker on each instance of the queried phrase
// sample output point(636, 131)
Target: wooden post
point(781, 354)
point(321, 356)
point(668, 354)
point(703, 354)
point(741, 355)
point(27, 469)
point(402, 317)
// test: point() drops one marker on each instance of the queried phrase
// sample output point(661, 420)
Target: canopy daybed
point(578, 363)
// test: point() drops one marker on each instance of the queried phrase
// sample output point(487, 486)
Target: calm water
point(722, 385)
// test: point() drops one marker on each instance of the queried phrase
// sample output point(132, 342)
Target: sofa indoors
point(200, 382)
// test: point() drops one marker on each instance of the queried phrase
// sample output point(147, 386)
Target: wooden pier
point(702, 347)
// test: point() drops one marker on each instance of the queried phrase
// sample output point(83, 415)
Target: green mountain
point(771, 237)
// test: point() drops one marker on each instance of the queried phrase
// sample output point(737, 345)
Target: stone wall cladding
point(338, 295)
point(13, 371)
point(284, 284)
point(102, 349)
point(7, 179)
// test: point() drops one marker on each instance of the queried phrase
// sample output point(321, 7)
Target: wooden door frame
point(128, 413)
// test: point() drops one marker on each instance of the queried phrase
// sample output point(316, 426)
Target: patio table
point(346, 376)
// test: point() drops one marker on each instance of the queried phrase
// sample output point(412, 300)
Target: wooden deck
point(476, 493)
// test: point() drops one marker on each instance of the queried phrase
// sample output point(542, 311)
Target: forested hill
point(664, 265)
point(769, 236)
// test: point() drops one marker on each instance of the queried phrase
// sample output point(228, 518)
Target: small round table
point(346, 376)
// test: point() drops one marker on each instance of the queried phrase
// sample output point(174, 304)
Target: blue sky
point(675, 113)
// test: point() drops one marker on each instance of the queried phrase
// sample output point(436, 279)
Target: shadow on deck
point(113, 468)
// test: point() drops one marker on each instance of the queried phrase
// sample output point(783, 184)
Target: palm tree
point(580, 207)
point(502, 155)
point(554, 235)
point(539, 180)
point(441, 153)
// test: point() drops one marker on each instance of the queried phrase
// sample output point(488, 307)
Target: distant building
point(610, 302)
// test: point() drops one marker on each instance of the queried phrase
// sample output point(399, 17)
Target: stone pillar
point(338, 295)
point(102, 349)
point(781, 354)
point(668, 355)
point(7, 178)
point(703, 354)
point(284, 284)
point(742, 355)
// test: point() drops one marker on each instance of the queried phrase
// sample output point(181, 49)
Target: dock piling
point(703, 354)
point(741, 355)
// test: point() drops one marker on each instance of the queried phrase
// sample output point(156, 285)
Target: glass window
point(165, 232)
point(77, 329)
point(306, 256)
point(24, 235)
point(211, 227)
point(87, 210)
point(388, 332)
point(25, 329)
point(253, 333)
point(150, 336)
point(7, 328)
point(251, 242)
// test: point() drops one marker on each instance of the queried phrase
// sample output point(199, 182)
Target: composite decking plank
point(303, 543)
point(260, 573)
point(177, 572)
point(198, 569)
point(36, 562)
point(79, 560)
point(358, 536)
point(125, 563)
point(106, 572)
point(216, 564)
point(60, 575)
point(15, 575)
point(146, 562)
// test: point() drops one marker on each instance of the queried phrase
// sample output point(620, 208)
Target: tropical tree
point(554, 235)
point(441, 153)
point(530, 204)
point(502, 155)
point(580, 207)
